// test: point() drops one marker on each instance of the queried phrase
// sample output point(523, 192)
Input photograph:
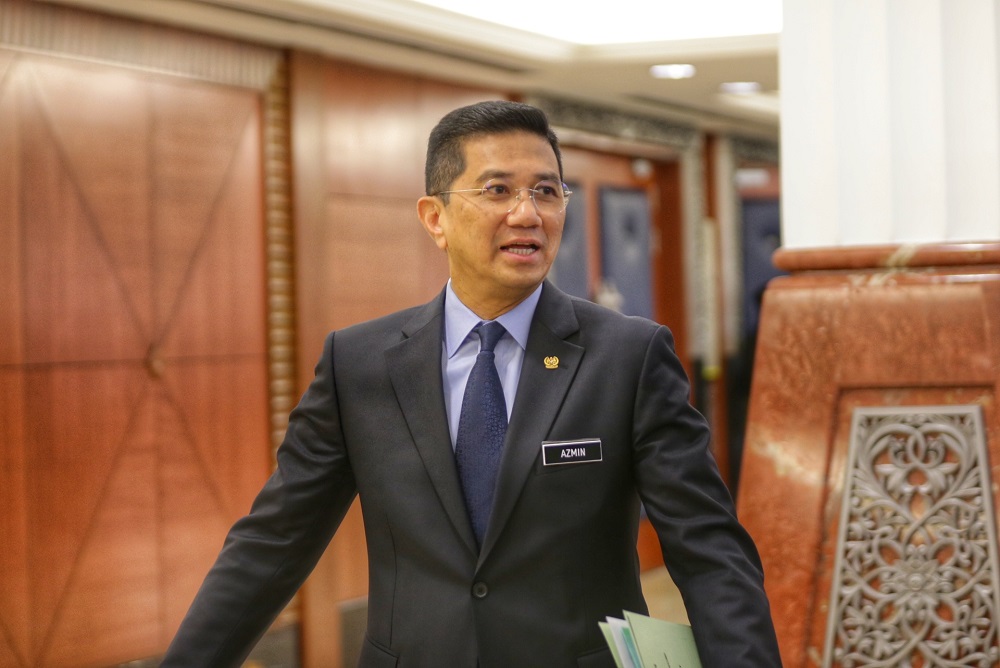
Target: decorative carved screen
point(915, 579)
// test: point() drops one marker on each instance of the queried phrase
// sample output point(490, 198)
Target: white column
point(890, 122)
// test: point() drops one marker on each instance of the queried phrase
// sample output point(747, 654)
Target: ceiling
point(414, 37)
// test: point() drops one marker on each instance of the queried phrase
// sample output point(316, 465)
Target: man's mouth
point(520, 249)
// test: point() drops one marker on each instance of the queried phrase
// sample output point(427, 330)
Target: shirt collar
point(459, 320)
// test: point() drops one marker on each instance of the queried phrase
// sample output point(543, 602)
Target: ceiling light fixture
point(740, 87)
point(673, 71)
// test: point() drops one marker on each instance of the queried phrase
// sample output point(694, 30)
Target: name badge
point(571, 452)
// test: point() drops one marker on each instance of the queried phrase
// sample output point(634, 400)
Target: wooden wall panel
point(15, 606)
point(133, 384)
point(360, 138)
point(401, 243)
point(372, 132)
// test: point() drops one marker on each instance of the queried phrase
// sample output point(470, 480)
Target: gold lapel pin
point(551, 362)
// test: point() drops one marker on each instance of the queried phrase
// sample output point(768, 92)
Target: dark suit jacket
point(559, 554)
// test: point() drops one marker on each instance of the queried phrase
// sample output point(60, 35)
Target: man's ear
point(430, 209)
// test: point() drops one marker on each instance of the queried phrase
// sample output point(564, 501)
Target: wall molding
point(82, 35)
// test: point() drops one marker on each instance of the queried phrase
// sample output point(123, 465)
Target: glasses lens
point(498, 192)
point(548, 196)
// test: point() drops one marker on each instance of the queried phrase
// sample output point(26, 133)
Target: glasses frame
point(517, 195)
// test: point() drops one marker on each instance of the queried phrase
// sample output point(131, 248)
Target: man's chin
point(525, 284)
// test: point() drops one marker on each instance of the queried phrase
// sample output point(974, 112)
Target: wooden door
point(590, 173)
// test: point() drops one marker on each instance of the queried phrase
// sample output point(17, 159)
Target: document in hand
point(639, 641)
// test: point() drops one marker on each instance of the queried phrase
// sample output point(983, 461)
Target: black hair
point(445, 153)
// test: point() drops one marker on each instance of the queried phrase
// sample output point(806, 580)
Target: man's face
point(496, 258)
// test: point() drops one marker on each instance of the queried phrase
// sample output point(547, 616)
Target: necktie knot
point(489, 334)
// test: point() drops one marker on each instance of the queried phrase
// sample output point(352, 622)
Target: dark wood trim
point(669, 280)
point(281, 343)
point(718, 402)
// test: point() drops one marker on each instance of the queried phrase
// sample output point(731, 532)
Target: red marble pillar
point(853, 327)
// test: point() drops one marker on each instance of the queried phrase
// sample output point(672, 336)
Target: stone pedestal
point(869, 328)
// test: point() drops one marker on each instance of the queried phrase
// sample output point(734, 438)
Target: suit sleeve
point(268, 554)
point(709, 555)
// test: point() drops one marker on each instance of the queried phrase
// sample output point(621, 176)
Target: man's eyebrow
point(501, 174)
point(493, 174)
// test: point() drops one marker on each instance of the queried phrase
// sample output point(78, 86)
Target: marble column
point(873, 419)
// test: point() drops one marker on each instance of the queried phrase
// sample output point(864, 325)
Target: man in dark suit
point(500, 497)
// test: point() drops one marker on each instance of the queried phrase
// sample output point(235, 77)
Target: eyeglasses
point(549, 197)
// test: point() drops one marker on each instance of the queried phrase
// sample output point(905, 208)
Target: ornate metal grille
point(915, 581)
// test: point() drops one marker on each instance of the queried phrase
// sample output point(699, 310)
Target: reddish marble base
point(850, 327)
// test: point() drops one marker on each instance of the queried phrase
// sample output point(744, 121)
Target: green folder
point(606, 630)
point(656, 643)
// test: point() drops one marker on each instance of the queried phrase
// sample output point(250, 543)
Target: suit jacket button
point(480, 590)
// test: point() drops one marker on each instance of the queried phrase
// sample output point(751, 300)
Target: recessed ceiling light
point(672, 71)
point(740, 87)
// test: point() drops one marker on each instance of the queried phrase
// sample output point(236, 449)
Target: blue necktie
point(481, 428)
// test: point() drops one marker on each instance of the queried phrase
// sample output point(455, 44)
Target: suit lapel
point(415, 370)
point(540, 394)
